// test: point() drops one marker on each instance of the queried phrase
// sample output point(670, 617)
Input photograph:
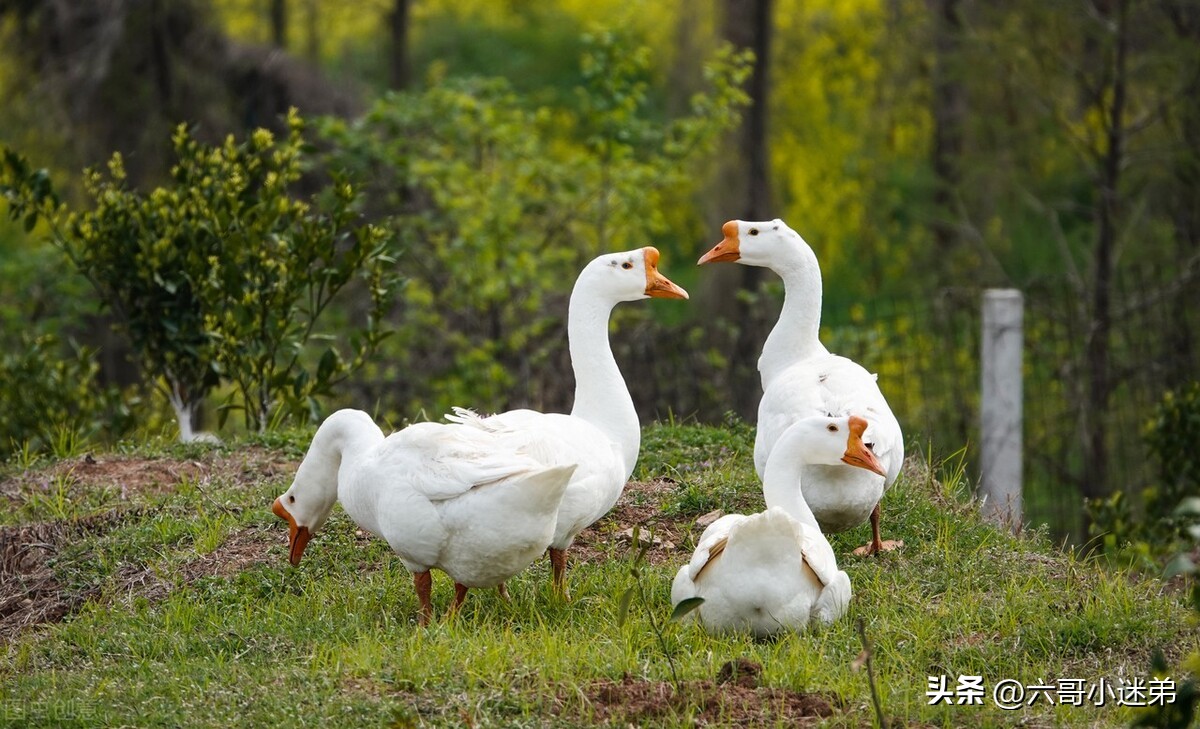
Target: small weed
point(865, 659)
point(683, 608)
point(24, 455)
point(54, 502)
point(66, 442)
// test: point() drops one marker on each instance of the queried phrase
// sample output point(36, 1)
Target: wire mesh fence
point(927, 356)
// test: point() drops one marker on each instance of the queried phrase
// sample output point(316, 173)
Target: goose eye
point(626, 265)
point(870, 446)
point(831, 428)
point(754, 231)
point(291, 499)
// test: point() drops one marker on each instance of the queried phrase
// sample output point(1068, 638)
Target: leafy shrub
point(501, 202)
point(222, 274)
point(1170, 436)
point(1182, 712)
point(44, 398)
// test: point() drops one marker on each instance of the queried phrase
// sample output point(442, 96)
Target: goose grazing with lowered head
point(775, 570)
point(801, 378)
point(602, 434)
point(474, 504)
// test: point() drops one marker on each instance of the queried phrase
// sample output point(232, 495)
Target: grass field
point(150, 587)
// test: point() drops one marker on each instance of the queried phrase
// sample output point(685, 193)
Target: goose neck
point(601, 395)
point(781, 485)
point(796, 335)
point(342, 439)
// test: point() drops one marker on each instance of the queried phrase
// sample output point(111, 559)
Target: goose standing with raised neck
point(602, 434)
point(775, 570)
point(801, 378)
point(471, 503)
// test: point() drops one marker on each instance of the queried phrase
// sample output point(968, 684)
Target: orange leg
point(423, 582)
point(558, 560)
point(877, 545)
point(460, 594)
point(503, 590)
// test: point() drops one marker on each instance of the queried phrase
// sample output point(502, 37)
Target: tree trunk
point(949, 114)
point(278, 12)
point(1183, 200)
point(159, 43)
point(1098, 351)
point(401, 72)
point(184, 407)
point(312, 18)
point(683, 76)
point(746, 195)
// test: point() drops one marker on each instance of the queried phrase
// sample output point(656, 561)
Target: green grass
point(335, 642)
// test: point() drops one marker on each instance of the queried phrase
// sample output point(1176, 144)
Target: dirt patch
point(640, 506)
point(30, 593)
point(133, 476)
point(732, 703)
point(241, 550)
point(735, 698)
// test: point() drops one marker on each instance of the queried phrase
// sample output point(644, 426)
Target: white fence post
point(1000, 450)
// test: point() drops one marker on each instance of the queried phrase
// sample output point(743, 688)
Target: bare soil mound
point(30, 592)
point(734, 699)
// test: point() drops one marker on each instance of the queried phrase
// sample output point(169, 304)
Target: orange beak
point(658, 285)
point(298, 536)
point(727, 250)
point(857, 453)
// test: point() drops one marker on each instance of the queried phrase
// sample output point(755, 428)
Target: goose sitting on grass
point(472, 503)
point(800, 378)
point(602, 434)
point(775, 570)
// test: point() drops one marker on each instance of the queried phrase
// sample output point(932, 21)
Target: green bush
point(46, 400)
point(1181, 713)
point(222, 274)
point(1160, 528)
point(1171, 435)
point(501, 201)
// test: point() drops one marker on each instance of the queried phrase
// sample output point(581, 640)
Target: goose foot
point(877, 545)
point(870, 548)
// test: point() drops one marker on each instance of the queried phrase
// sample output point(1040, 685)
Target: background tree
point(949, 99)
point(506, 201)
point(744, 192)
point(222, 274)
point(279, 23)
point(398, 23)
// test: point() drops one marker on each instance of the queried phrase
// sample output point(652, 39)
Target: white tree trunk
point(184, 410)
point(183, 413)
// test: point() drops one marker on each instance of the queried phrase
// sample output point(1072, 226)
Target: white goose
point(602, 434)
point(801, 378)
point(775, 570)
point(473, 504)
